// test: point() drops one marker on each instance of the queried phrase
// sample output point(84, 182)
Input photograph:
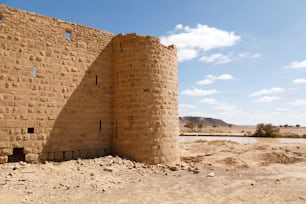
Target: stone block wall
point(69, 91)
point(55, 87)
point(145, 99)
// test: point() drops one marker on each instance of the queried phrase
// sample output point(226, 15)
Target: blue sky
point(241, 61)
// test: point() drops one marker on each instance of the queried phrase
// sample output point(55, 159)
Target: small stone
point(174, 168)
point(108, 169)
point(21, 163)
point(15, 168)
point(211, 174)
point(196, 171)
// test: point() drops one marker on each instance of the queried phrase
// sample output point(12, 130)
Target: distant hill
point(203, 120)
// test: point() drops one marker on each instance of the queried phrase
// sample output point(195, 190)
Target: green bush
point(266, 130)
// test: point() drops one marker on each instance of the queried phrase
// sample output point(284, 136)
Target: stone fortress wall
point(68, 91)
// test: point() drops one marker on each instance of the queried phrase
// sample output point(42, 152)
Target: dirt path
point(210, 172)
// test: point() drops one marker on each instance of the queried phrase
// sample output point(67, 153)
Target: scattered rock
point(196, 171)
point(15, 168)
point(21, 163)
point(211, 174)
point(174, 168)
point(108, 169)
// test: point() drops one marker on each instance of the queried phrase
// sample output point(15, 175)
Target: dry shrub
point(266, 130)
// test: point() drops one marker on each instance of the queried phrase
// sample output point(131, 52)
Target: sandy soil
point(209, 172)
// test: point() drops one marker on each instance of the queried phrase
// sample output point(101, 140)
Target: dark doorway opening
point(17, 156)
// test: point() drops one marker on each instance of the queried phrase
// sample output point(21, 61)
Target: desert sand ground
point(209, 172)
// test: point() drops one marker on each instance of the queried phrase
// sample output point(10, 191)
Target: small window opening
point(34, 72)
point(30, 130)
point(96, 79)
point(1, 21)
point(17, 156)
point(100, 127)
point(68, 35)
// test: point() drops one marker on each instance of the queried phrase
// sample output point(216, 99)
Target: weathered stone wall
point(69, 91)
point(145, 99)
point(70, 95)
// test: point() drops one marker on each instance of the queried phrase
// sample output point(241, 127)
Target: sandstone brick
point(6, 151)
point(3, 159)
point(31, 158)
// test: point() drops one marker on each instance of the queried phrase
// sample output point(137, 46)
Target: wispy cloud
point(224, 59)
point(210, 101)
point(300, 102)
point(210, 79)
point(199, 92)
point(263, 92)
point(245, 55)
point(297, 65)
point(267, 99)
point(299, 81)
point(192, 41)
point(217, 59)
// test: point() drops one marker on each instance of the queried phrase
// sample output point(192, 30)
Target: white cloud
point(217, 59)
point(186, 54)
point(199, 39)
point(199, 92)
point(297, 65)
point(206, 81)
point(223, 59)
point(299, 81)
point(267, 99)
point(179, 27)
point(299, 102)
point(244, 55)
point(225, 77)
point(210, 79)
point(263, 92)
point(210, 101)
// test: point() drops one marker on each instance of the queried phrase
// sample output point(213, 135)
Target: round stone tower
point(145, 99)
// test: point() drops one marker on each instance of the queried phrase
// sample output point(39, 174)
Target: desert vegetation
point(266, 130)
